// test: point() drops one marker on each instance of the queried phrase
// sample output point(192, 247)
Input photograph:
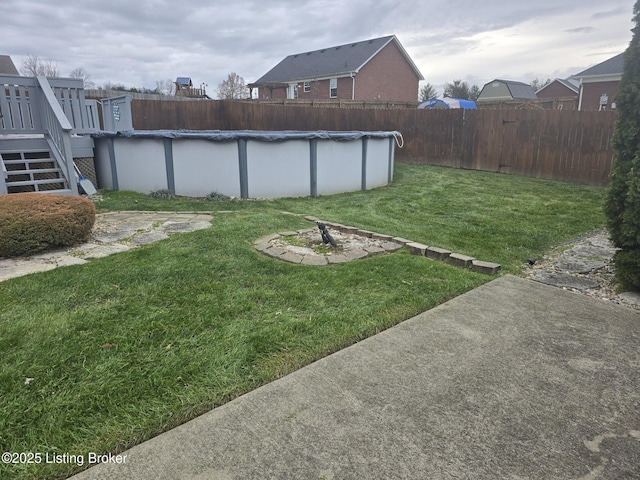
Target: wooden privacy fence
point(572, 146)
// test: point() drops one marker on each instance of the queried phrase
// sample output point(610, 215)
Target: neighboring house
point(599, 84)
point(560, 94)
point(559, 88)
point(6, 66)
point(376, 69)
point(504, 90)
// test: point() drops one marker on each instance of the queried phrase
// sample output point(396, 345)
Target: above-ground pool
point(245, 164)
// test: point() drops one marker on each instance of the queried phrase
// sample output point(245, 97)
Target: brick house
point(376, 69)
point(559, 94)
point(559, 88)
point(599, 84)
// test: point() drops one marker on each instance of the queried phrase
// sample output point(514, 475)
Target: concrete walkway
point(515, 379)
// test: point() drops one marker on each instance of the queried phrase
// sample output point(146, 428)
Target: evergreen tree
point(427, 92)
point(622, 205)
point(461, 89)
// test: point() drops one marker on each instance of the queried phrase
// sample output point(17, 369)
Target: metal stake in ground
point(326, 236)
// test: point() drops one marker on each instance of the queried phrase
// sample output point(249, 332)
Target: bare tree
point(80, 72)
point(233, 88)
point(165, 87)
point(34, 66)
point(537, 83)
point(114, 86)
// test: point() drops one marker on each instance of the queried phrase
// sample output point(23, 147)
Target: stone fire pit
point(306, 247)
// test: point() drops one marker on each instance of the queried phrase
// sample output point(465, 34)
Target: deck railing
point(83, 115)
point(19, 112)
point(57, 130)
point(53, 107)
point(18, 108)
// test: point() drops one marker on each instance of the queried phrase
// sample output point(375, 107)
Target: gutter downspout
point(353, 85)
point(580, 97)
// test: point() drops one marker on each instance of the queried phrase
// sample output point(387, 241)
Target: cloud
point(619, 11)
point(137, 43)
point(581, 30)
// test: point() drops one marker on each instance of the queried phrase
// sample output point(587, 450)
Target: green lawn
point(128, 346)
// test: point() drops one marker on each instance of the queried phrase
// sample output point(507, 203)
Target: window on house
point(333, 88)
point(307, 87)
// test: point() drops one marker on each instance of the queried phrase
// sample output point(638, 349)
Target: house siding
point(265, 93)
point(495, 91)
point(319, 90)
point(387, 76)
point(591, 93)
point(556, 90)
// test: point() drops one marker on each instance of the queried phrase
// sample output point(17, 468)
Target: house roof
point(6, 66)
point(183, 80)
point(569, 84)
point(518, 90)
point(341, 60)
point(612, 66)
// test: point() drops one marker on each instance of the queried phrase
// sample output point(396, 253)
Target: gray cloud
point(581, 30)
point(137, 42)
point(620, 10)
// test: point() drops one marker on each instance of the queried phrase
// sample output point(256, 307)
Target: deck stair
point(44, 122)
point(30, 166)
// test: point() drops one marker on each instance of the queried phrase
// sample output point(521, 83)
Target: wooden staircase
point(44, 122)
point(30, 166)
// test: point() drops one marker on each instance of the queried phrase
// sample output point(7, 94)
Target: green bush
point(216, 197)
point(34, 222)
point(162, 194)
point(622, 205)
point(627, 272)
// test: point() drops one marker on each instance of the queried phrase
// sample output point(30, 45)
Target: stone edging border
point(391, 244)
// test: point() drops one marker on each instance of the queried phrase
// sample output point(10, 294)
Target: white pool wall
point(244, 164)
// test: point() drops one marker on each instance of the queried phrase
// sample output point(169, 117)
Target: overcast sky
point(138, 42)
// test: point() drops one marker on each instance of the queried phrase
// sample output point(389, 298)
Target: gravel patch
point(584, 266)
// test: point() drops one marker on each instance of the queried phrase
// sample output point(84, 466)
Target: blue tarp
point(230, 135)
point(447, 102)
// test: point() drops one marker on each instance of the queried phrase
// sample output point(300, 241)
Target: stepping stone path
point(305, 247)
point(113, 232)
point(583, 266)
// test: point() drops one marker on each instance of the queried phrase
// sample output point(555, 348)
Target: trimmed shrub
point(627, 272)
point(34, 222)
